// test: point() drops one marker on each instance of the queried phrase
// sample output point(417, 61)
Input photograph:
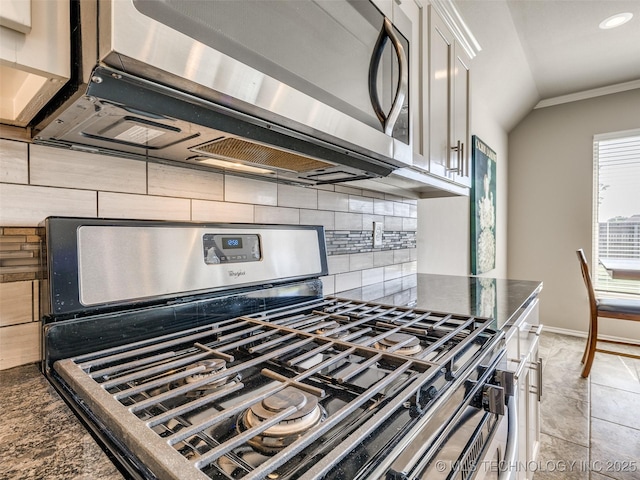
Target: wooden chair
point(601, 307)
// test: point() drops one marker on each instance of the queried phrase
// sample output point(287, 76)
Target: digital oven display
point(235, 248)
point(231, 242)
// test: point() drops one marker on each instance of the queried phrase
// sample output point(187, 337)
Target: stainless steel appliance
point(208, 351)
point(310, 91)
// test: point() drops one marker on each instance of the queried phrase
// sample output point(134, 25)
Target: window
point(616, 225)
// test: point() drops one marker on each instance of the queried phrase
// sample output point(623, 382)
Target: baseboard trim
point(578, 333)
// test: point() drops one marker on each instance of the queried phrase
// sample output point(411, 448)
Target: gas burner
point(330, 326)
point(308, 414)
point(411, 347)
point(212, 367)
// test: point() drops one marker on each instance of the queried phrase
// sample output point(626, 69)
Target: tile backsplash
point(38, 181)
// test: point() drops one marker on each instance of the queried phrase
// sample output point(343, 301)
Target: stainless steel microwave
point(315, 91)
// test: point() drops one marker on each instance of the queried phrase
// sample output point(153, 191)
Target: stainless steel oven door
point(469, 434)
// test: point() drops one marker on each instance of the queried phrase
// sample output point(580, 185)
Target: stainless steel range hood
point(148, 90)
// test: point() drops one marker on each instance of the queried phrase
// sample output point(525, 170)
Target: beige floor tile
point(600, 415)
point(616, 372)
point(565, 418)
point(615, 405)
point(560, 459)
point(615, 450)
point(565, 381)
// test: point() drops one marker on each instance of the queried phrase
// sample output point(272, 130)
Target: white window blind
point(616, 223)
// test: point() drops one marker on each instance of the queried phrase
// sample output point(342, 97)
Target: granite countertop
point(42, 438)
point(501, 299)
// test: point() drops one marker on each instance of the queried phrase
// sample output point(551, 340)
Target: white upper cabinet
point(449, 101)
point(413, 11)
point(34, 56)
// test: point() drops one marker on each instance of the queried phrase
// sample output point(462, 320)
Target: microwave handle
point(388, 121)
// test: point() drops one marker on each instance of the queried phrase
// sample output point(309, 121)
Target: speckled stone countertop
point(501, 299)
point(40, 436)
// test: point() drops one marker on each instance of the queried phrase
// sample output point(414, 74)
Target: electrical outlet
point(377, 234)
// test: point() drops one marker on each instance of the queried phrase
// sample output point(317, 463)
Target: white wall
point(443, 223)
point(550, 201)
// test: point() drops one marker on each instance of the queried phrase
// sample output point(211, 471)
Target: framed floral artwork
point(483, 207)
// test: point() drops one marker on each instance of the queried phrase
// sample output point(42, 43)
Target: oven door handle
point(512, 439)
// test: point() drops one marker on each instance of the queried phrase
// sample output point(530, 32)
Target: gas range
point(259, 375)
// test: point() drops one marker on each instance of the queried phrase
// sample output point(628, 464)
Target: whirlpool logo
point(236, 273)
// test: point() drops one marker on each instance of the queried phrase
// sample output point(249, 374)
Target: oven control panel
point(231, 248)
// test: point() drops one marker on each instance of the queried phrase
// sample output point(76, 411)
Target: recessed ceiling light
point(616, 20)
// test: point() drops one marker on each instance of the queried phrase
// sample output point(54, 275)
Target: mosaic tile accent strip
point(361, 241)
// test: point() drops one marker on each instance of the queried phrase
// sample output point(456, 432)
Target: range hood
point(154, 87)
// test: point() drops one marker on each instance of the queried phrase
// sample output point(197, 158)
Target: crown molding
point(452, 18)
point(596, 92)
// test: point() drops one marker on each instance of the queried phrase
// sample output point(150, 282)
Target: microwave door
point(322, 48)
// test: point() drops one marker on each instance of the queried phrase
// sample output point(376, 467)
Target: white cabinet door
point(449, 116)
point(460, 135)
point(415, 13)
point(440, 55)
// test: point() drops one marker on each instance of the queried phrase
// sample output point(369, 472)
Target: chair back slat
point(584, 267)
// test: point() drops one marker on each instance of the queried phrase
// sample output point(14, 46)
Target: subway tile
point(382, 207)
point(56, 167)
point(409, 268)
point(277, 215)
point(373, 194)
point(337, 202)
point(338, 264)
point(328, 284)
point(19, 344)
point(360, 261)
point(401, 209)
point(349, 190)
point(409, 224)
point(28, 205)
point(383, 258)
point(402, 255)
point(318, 217)
point(392, 272)
point(410, 282)
point(328, 187)
point(170, 181)
point(372, 276)
point(348, 221)
point(210, 211)
point(298, 197)
point(347, 281)
point(360, 204)
point(367, 221)
point(392, 224)
point(392, 197)
point(248, 190)
point(14, 166)
point(16, 303)
point(144, 207)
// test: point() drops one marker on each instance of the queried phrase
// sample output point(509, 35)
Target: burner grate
point(326, 348)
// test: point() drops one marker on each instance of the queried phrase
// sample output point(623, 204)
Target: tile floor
point(593, 422)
